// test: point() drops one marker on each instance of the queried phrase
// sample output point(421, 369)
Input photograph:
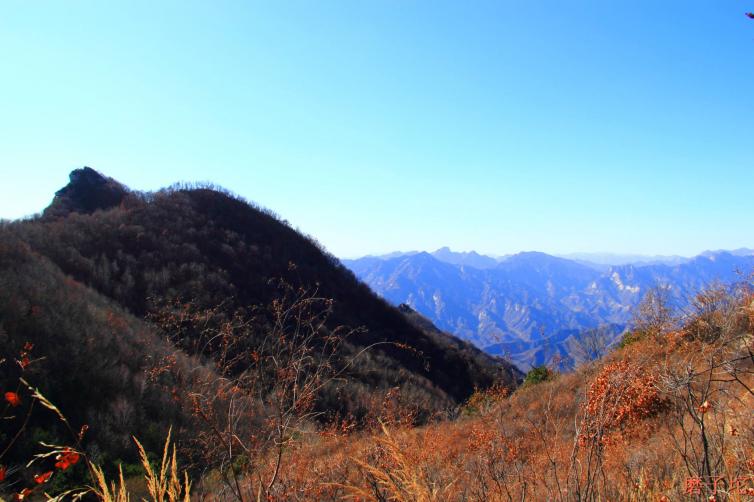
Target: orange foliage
point(66, 459)
point(622, 395)
point(42, 478)
point(13, 399)
point(612, 430)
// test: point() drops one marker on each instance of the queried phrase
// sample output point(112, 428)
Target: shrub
point(538, 374)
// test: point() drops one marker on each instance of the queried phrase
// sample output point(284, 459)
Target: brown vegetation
point(667, 417)
point(278, 400)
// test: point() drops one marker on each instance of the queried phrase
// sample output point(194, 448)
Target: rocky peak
point(406, 308)
point(86, 192)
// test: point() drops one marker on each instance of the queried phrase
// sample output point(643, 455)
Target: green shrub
point(538, 374)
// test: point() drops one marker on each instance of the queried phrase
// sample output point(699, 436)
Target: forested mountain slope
point(204, 246)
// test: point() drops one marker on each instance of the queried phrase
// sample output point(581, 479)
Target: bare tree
point(654, 315)
point(593, 344)
point(273, 364)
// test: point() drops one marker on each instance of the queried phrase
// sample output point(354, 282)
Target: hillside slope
point(90, 357)
point(148, 251)
point(665, 417)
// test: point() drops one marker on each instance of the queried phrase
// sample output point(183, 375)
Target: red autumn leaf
point(24, 493)
point(42, 478)
point(66, 459)
point(12, 399)
point(3, 471)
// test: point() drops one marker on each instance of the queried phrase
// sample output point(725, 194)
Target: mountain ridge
point(529, 298)
point(145, 251)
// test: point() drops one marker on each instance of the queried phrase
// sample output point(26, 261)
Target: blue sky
point(499, 126)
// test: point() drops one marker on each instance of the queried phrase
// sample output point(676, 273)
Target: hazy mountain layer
point(533, 305)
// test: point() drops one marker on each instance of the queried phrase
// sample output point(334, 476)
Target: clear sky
point(499, 126)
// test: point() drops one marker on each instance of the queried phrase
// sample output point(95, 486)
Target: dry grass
point(648, 422)
point(163, 484)
point(666, 417)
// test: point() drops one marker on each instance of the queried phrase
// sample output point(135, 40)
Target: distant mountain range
point(532, 306)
